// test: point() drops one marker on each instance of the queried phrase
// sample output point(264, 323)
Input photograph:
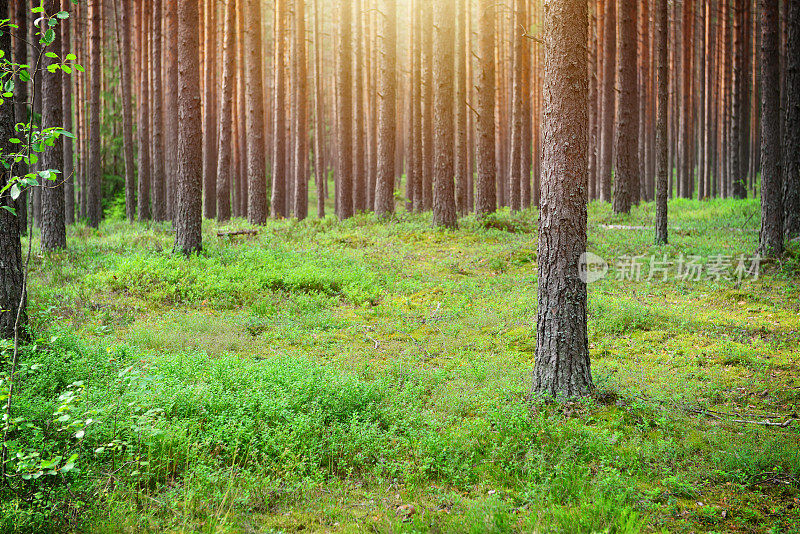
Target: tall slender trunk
point(344, 116)
point(791, 130)
point(157, 174)
point(608, 111)
point(224, 166)
point(254, 96)
point(427, 7)
point(124, 13)
point(319, 119)
point(143, 124)
point(170, 102)
point(444, 203)
point(486, 199)
point(662, 112)
point(299, 106)
point(94, 177)
point(209, 105)
point(461, 149)
point(66, 100)
point(384, 190)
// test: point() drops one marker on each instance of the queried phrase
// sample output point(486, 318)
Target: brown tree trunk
point(562, 365)
point(227, 89)
point(170, 102)
point(427, 7)
point(157, 174)
point(143, 124)
point(299, 106)
point(279, 203)
point(626, 183)
point(608, 110)
point(738, 104)
point(66, 100)
point(384, 189)
point(124, 14)
point(461, 149)
point(344, 116)
point(444, 203)
point(189, 205)
point(319, 119)
point(771, 180)
point(21, 14)
point(94, 177)
point(519, 93)
point(791, 127)
point(415, 175)
point(486, 199)
point(662, 114)
point(209, 103)
point(359, 113)
point(254, 96)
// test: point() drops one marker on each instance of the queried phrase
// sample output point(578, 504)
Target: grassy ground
point(365, 376)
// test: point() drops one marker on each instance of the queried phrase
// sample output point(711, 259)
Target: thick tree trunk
point(11, 267)
point(384, 190)
point(189, 205)
point(415, 174)
point(227, 89)
point(54, 232)
point(171, 102)
point(94, 169)
point(344, 115)
point(562, 365)
point(771, 179)
point(791, 130)
point(210, 115)
point(444, 203)
point(486, 199)
point(254, 96)
point(738, 104)
point(626, 182)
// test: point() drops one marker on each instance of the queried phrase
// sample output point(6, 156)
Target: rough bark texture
point(427, 7)
point(415, 173)
point(189, 205)
point(254, 96)
point(626, 166)
point(384, 189)
point(662, 135)
point(791, 130)
point(486, 196)
point(562, 365)
point(344, 115)
point(279, 202)
point(301, 118)
point(143, 122)
point(66, 101)
point(359, 113)
point(519, 93)
point(444, 203)
point(461, 154)
point(319, 119)
point(738, 104)
point(21, 14)
point(171, 102)
point(607, 111)
point(157, 174)
point(11, 274)
point(94, 189)
point(125, 14)
point(54, 232)
point(227, 88)
point(771, 179)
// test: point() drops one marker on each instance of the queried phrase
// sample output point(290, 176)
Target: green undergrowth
point(374, 376)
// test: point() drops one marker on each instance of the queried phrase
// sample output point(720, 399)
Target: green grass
point(343, 377)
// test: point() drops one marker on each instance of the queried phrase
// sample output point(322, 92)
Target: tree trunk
point(771, 180)
point(444, 203)
point(157, 174)
point(54, 232)
point(11, 267)
point(384, 190)
point(143, 124)
point(189, 206)
point(662, 113)
point(210, 115)
point(737, 100)
point(124, 12)
point(279, 203)
point(254, 96)
point(171, 103)
point(224, 166)
point(359, 113)
point(486, 196)
point(791, 127)
point(344, 115)
point(607, 111)
point(299, 106)
point(94, 177)
point(562, 365)
point(427, 7)
point(319, 119)
point(626, 183)
point(66, 100)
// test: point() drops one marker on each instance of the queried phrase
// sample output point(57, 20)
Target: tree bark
point(254, 97)
point(171, 103)
point(427, 7)
point(461, 149)
point(771, 180)
point(66, 100)
point(486, 196)
point(562, 365)
point(384, 190)
point(54, 232)
point(210, 163)
point(662, 114)
point(157, 173)
point(607, 111)
point(344, 116)
point(626, 176)
point(224, 166)
point(189, 205)
point(444, 203)
point(142, 123)
point(279, 202)
point(791, 129)
point(299, 105)
point(319, 119)
point(94, 177)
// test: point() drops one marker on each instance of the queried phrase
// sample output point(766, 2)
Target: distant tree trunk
point(427, 7)
point(562, 366)
point(124, 13)
point(384, 190)
point(280, 207)
point(256, 164)
point(21, 14)
point(415, 173)
point(791, 129)
point(645, 98)
point(607, 111)
point(359, 113)
point(771, 180)
point(461, 149)
point(662, 136)
point(142, 122)
point(319, 119)
point(94, 197)
point(519, 93)
point(157, 174)
point(210, 115)
point(344, 115)
point(299, 106)
point(11, 267)
point(54, 232)
point(189, 205)
point(224, 166)
point(444, 203)
point(526, 134)
point(626, 182)
point(737, 99)
point(171, 102)
point(66, 99)
point(486, 199)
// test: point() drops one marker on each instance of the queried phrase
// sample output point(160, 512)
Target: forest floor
point(374, 377)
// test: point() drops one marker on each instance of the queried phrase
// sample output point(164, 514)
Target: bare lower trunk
point(662, 137)
point(486, 199)
point(384, 190)
point(224, 166)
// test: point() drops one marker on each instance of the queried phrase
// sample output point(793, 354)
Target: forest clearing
point(399, 266)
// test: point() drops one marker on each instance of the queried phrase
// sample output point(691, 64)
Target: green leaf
point(15, 192)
